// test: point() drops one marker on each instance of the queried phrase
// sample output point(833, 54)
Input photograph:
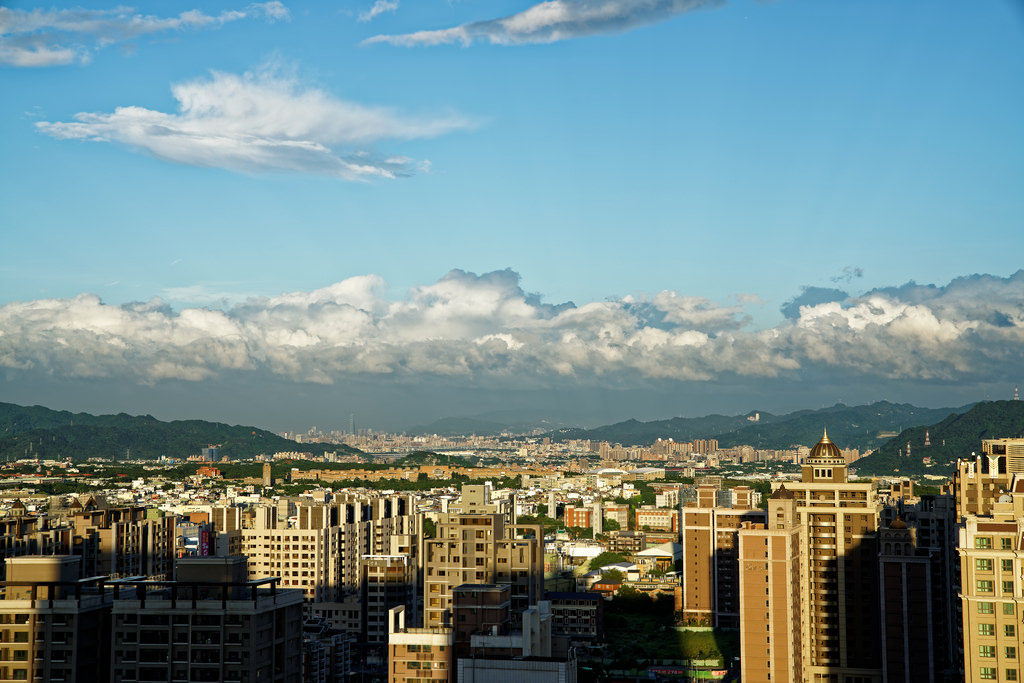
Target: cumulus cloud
point(812, 296)
point(485, 329)
point(262, 122)
point(553, 21)
point(379, 8)
point(31, 38)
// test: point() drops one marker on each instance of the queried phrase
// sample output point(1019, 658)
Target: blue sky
point(680, 171)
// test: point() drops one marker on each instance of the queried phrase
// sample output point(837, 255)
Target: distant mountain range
point(862, 427)
point(957, 436)
point(35, 431)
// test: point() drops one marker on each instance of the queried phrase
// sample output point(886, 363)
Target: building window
point(986, 650)
point(1011, 674)
point(987, 673)
point(1006, 543)
point(1007, 608)
point(1008, 587)
point(1007, 565)
point(983, 564)
point(1010, 653)
point(983, 542)
point(985, 608)
point(983, 586)
point(986, 629)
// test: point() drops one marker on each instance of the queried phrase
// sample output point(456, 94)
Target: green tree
point(609, 524)
point(429, 528)
point(606, 558)
point(612, 575)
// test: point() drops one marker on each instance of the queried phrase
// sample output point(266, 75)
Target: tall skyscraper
point(837, 523)
point(770, 594)
point(990, 494)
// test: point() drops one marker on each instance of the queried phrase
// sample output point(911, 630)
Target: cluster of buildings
point(826, 579)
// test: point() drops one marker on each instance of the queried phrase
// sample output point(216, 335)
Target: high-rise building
point(480, 549)
point(418, 654)
point(770, 594)
point(709, 536)
point(54, 626)
point(710, 565)
point(907, 625)
point(990, 499)
point(213, 624)
point(322, 550)
point(125, 541)
point(837, 522)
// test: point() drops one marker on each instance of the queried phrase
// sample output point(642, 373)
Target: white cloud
point(379, 8)
point(261, 122)
point(32, 38)
point(486, 330)
point(553, 21)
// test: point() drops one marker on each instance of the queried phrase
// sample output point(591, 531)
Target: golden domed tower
point(825, 464)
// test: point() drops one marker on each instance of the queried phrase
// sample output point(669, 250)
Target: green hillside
point(35, 431)
point(957, 436)
point(848, 426)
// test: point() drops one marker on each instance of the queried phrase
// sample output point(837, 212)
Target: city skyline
point(282, 213)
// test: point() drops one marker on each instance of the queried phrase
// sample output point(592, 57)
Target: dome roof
point(897, 524)
point(782, 493)
point(825, 449)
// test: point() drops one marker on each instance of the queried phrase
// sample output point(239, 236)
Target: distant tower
point(908, 449)
point(927, 439)
point(352, 424)
point(1016, 394)
point(268, 480)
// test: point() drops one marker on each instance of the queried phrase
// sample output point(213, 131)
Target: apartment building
point(481, 549)
point(22, 534)
point(770, 594)
point(710, 569)
point(388, 581)
point(323, 548)
point(990, 493)
point(213, 624)
point(657, 519)
point(54, 626)
point(908, 624)
point(836, 523)
point(125, 541)
point(582, 517)
point(419, 655)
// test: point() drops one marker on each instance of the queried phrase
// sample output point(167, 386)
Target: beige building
point(481, 549)
point(710, 570)
point(418, 655)
point(770, 594)
point(990, 494)
point(321, 551)
point(837, 524)
point(53, 625)
point(125, 541)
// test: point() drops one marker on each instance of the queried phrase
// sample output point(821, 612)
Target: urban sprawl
point(444, 559)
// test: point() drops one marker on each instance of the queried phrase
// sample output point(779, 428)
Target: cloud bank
point(262, 122)
point(485, 330)
point(553, 21)
point(34, 38)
